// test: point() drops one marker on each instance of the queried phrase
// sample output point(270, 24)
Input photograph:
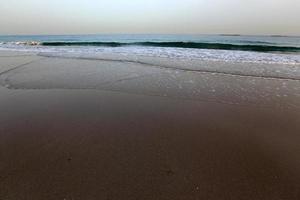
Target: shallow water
point(44, 73)
point(281, 50)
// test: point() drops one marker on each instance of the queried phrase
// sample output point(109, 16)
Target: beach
point(80, 128)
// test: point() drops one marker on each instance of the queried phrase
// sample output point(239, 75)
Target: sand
point(91, 129)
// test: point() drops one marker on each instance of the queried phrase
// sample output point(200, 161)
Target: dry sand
point(86, 129)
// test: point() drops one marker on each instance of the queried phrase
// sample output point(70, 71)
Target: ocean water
point(228, 48)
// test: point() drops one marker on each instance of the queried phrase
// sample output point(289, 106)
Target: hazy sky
point(150, 16)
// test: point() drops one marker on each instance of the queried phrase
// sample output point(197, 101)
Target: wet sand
point(81, 129)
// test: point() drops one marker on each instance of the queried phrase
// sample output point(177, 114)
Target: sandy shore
point(90, 129)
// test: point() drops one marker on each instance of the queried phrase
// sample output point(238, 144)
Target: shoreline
point(90, 129)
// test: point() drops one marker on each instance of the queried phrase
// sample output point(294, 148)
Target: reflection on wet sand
point(107, 130)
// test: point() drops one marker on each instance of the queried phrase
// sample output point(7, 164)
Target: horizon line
point(216, 34)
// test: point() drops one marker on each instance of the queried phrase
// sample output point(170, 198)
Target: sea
point(274, 49)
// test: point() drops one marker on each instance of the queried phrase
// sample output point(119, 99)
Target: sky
point(251, 17)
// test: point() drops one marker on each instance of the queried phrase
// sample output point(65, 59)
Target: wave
point(29, 43)
point(256, 46)
point(194, 45)
point(254, 42)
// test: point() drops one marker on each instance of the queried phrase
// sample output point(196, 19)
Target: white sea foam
point(162, 52)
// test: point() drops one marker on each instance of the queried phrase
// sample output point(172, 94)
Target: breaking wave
point(247, 46)
point(259, 47)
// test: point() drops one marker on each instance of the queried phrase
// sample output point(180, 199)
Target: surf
point(189, 45)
